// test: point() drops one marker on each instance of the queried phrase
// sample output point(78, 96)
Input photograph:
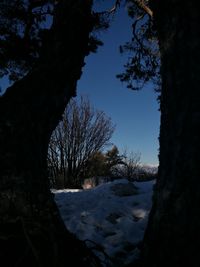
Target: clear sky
point(135, 113)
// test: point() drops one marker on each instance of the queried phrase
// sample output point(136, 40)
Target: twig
point(143, 6)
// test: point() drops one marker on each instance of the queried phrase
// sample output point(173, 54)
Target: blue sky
point(135, 113)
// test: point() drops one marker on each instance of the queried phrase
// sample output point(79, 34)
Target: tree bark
point(173, 233)
point(31, 230)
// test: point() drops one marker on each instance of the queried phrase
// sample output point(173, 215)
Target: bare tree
point(82, 132)
point(128, 166)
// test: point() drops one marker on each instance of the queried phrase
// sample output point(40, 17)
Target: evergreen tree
point(96, 166)
point(50, 62)
point(47, 64)
point(174, 219)
point(112, 158)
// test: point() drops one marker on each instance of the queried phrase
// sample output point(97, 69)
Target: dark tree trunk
point(31, 231)
point(173, 234)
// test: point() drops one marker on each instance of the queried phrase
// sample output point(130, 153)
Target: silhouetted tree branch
point(82, 133)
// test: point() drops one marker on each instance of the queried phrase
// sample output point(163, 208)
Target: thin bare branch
point(141, 4)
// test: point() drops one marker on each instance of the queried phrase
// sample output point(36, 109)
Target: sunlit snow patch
point(104, 215)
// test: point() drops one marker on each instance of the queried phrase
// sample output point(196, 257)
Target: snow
point(113, 215)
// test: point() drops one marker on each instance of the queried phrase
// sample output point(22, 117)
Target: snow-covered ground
point(113, 215)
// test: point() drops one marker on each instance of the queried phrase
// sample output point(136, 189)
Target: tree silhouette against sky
point(47, 64)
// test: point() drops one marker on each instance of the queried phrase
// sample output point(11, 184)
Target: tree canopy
point(25, 27)
point(81, 134)
point(143, 64)
point(25, 31)
point(43, 45)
